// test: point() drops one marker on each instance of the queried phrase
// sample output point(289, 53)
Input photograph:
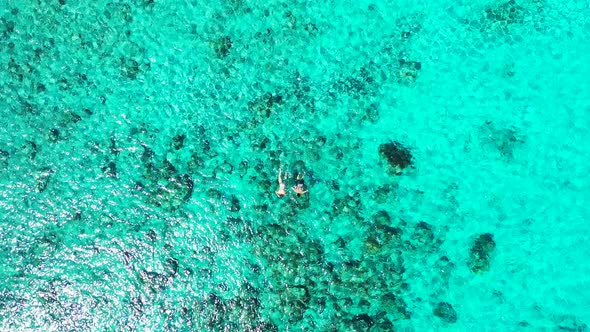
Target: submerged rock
point(408, 71)
point(53, 135)
point(423, 234)
point(195, 162)
point(480, 253)
point(384, 324)
point(397, 156)
point(4, 155)
point(372, 246)
point(262, 106)
point(570, 323)
point(506, 13)
point(174, 193)
point(42, 179)
point(349, 204)
point(266, 326)
point(505, 140)
point(395, 306)
point(233, 204)
point(30, 149)
point(362, 322)
point(445, 268)
point(110, 170)
point(171, 266)
point(387, 235)
point(71, 117)
point(296, 298)
point(383, 193)
point(221, 46)
point(381, 218)
point(178, 141)
point(371, 114)
point(147, 154)
point(214, 194)
point(445, 312)
point(223, 169)
point(156, 281)
point(129, 68)
point(113, 146)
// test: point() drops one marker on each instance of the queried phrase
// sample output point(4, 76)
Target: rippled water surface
point(443, 144)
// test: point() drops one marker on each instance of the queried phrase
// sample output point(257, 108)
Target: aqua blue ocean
point(434, 159)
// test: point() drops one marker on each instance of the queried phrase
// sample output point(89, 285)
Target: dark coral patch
point(408, 71)
point(397, 156)
point(445, 312)
point(480, 253)
point(507, 13)
point(222, 46)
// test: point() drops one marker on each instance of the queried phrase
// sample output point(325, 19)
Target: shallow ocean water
point(140, 143)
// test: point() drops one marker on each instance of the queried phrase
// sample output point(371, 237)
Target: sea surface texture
point(444, 146)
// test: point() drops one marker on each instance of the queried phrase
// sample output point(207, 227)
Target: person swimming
point(299, 187)
point(282, 192)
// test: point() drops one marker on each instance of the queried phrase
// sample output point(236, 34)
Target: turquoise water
point(444, 147)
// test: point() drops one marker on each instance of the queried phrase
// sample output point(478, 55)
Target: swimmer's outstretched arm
point(281, 192)
point(279, 178)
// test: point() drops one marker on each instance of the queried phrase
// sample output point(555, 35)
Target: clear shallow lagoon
point(140, 143)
